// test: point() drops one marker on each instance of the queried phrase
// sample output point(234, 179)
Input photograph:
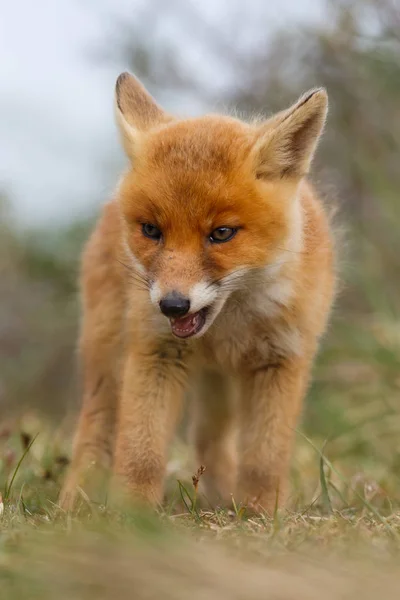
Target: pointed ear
point(136, 111)
point(286, 143)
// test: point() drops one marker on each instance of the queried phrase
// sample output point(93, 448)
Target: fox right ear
point(286, 143)
point(136, 111)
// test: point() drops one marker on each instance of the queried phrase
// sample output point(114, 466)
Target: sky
point(59, 148)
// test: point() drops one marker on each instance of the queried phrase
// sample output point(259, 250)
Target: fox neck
point(272, 287)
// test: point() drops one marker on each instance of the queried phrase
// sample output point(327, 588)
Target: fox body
point(211, 269)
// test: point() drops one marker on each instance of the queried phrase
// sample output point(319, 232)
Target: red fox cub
point(212, 268)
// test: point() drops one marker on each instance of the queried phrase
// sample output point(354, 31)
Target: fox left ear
point(136, 111)
point(286, 143)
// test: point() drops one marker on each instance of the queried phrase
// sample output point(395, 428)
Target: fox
point(211, 272)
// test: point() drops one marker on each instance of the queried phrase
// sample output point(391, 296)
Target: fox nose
point(174, 305)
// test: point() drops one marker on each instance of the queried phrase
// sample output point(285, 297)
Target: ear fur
point(136, 111)
point(286, 143)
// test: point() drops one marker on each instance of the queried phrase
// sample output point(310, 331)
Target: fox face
point(207, 201)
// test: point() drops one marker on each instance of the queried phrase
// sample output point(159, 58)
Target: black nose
point(174, 305)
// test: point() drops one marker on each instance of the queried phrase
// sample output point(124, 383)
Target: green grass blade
point(326, 501)
point(8, 488)
point(192, 509)
point(379, 517)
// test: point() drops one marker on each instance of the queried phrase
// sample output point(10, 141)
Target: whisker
point(291, 251)
point(135, 276)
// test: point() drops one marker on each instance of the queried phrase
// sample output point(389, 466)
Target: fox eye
point(151, 231)
point(222, 234)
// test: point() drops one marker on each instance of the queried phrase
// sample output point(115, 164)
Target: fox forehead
point(210, 143)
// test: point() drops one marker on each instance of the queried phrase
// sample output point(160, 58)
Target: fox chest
point(250, 344)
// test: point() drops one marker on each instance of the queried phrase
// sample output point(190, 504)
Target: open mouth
point(189, 325)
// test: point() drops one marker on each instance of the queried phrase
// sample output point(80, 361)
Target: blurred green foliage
point(38, 317)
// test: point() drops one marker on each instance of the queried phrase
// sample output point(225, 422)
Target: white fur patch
point(202, 294)
point(136, 263)
point(294, 243)
point(155, 293)
point(280, 291)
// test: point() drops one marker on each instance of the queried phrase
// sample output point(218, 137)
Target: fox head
point(208, 200)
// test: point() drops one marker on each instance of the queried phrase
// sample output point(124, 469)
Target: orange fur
point(268, 293)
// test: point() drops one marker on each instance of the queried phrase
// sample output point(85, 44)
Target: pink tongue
point(185, 324)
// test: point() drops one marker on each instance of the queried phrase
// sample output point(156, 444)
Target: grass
point(339, 536)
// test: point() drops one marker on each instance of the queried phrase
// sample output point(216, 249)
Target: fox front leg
point(154, 383)
point(271, 401)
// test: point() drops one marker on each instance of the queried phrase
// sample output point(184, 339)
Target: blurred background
point(60, 159)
